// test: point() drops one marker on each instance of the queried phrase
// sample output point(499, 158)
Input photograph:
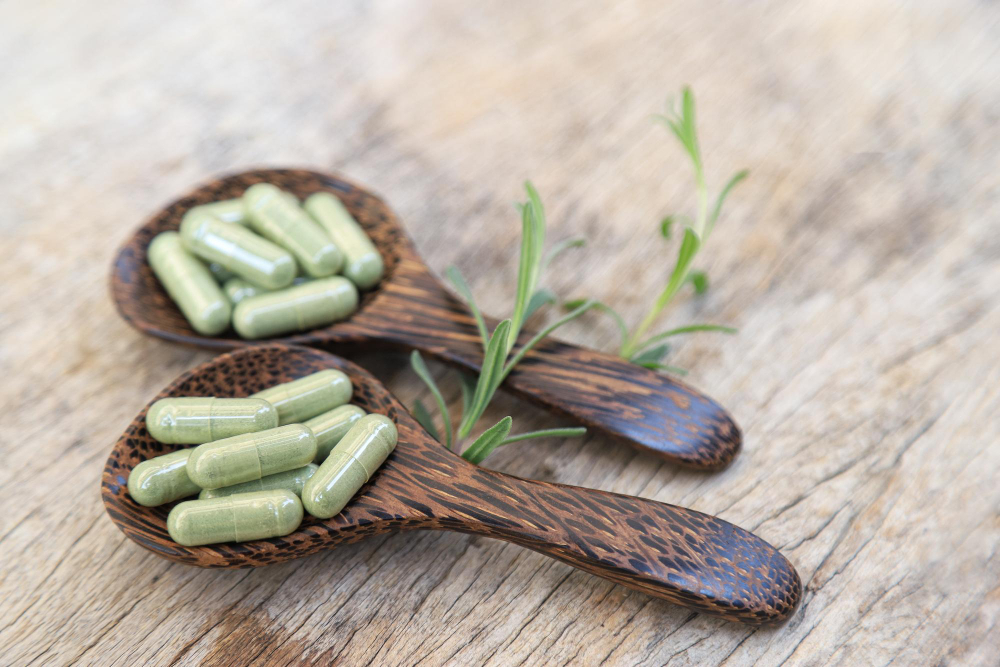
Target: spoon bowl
point(687, 557)
point(411, 309)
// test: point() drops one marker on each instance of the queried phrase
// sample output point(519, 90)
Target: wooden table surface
point(860, 261)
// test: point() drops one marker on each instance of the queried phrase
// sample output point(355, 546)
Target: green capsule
point(162, 479)
point(238, 249)
point(189, 284)
point(290, 480)
point(228, 210)
point(196, 420)
point(303, 399)
point(242, 458)
point(238, 289)
point(275, 218)
point(299, 308)
point(350, 465)
point(362, 261)
point(331, 426)
point(238, 518)
point(233, 210)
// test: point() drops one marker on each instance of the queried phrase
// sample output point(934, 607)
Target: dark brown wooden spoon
point(411, 309)
point(687, 557)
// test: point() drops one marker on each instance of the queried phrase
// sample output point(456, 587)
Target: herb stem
point(545, 433)
point(456, 278)
point(573, 314)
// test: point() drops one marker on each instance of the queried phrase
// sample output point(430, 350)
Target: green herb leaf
point(652, 355)
point(489, 377)
point(653, 366)
point(539, 214)
point(689, 247)
point(668, 223)
point(683, 127)
point(424, 419)
point(674, 126)
point(527, 270)
point(468, 384)
point(489, 440)
point(665, 226)
point(737, 177)
point(417, 362)
point(691, 328)
point(546, 433)
point(561, 247)
point(699, 279)
point(604, 308)
point(689, 127)
point(542, 297)
point(455, 276)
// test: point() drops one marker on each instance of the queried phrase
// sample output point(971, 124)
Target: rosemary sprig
point(498, 361)
point(636, 345)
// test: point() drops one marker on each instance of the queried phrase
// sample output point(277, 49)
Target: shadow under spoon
point(692, 559)
point(411, 309)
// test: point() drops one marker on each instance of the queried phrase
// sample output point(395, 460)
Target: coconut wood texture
point(860, 263)
point(411, 309)
point(698, 561)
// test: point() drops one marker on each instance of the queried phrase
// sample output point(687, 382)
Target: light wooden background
point(861, 262)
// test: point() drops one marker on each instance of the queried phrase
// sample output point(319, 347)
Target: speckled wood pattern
point(687, 557)
point(410, 309)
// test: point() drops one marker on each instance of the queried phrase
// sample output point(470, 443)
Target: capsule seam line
point(232, 514)
point(211, 420)
point(260, 469)
point(368, 475)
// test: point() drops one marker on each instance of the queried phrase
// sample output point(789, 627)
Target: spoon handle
point(650, 411)
point(692, 559)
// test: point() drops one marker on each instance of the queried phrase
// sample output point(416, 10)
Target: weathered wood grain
point(860, 262)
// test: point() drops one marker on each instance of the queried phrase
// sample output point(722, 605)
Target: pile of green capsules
point(257, 456)
point(265, 264)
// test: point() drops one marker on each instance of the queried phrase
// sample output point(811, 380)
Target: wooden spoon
point(687, 557)
point(412, 310)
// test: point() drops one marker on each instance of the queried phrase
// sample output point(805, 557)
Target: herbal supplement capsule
point(232, 210)
point(227, 210)
point(306, 306)
point(242, 458)
point(238, 249)
point(303, 399)
point(193, 421)
point(362, 261)
point(238, 518)
point(285, 223)
point(189, 284)
point(162, 479)
point(350, 465)
point(290, 480)
point(331, 426)
point(238, 289)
